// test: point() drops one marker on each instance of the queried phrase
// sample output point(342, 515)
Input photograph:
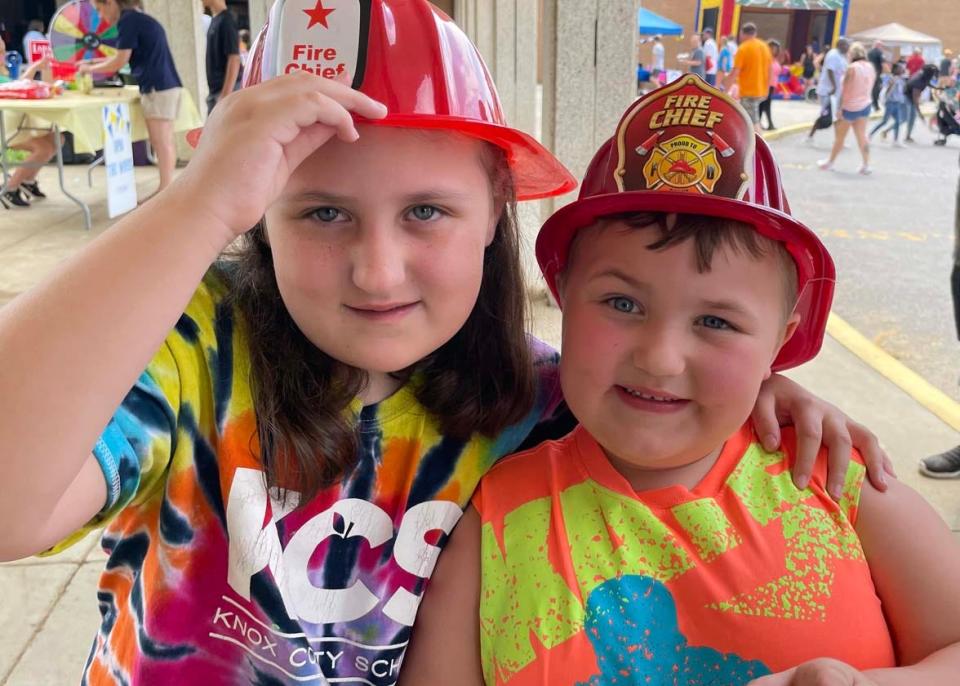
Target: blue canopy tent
point(651, 24)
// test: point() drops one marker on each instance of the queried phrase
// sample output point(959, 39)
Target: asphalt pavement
point(891, 236)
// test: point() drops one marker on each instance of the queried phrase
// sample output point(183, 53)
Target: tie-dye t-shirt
point(585, 581)
point(212, 581)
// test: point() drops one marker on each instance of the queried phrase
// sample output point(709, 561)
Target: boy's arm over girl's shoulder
point(74, 345)
point(914, 561)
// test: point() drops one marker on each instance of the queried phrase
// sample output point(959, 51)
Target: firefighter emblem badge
point(683, 162)
point(686, 137)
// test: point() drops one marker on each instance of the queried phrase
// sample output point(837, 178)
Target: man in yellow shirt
point(751, 72)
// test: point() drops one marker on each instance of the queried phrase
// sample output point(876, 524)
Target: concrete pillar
point(589, 74)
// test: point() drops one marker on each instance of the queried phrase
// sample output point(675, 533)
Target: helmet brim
point(534, 170)
point(816, 274)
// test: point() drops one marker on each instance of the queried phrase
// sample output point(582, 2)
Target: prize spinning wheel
point(79, 32)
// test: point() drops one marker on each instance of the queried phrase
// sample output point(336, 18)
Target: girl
point(894, 101)
point(143, 43)
point(279, 482)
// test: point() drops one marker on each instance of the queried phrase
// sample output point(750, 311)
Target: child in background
point(894, 101)
point(660, 543)
point(317, 408)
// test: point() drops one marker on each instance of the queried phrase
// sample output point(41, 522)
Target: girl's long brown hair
point(482, 380)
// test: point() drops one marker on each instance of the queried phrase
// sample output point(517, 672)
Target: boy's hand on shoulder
point(256, 138)
point(818, 424)
point(820, 672)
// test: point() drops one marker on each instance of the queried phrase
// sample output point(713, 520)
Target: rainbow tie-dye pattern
point(211, 580)
point(585, 581)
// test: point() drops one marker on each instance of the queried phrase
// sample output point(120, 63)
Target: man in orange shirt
point(751, 72)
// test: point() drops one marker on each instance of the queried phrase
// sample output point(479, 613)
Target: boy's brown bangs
point(710, 234)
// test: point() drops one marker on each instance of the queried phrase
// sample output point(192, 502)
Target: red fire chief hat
point(689, 148)
point(411, 57)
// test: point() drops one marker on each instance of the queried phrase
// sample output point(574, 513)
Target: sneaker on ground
point(33, 188)
point(865, 170)
point(825, 164)
point(942, 466)
point(16, 197)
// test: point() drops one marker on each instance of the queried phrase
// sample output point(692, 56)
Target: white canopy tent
point(899, 36)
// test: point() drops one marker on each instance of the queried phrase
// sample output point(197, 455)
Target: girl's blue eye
point(621, 304)
point(711, 322)
point(424, 212)
point(326, 214)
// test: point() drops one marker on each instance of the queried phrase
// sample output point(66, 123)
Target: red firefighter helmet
point(415, 60)
point(689, 148)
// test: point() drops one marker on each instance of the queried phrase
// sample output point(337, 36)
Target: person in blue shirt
point(143, 44)
point(34, 32)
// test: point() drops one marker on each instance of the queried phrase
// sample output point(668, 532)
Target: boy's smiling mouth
point(650, 400)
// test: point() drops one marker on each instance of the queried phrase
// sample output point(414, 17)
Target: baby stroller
point(947, 118)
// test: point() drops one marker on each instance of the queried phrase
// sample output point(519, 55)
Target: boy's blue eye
point(424, 212)
point(712, 322)
point(622, 304)
point(326, 214)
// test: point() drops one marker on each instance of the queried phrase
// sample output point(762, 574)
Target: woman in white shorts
point(855, 105)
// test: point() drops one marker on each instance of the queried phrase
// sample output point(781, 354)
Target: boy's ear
point(789, 329)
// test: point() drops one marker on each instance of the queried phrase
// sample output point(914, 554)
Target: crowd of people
point(849, 81)
point(142, 44)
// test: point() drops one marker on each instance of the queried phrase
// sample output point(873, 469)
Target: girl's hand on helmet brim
point(256, 138)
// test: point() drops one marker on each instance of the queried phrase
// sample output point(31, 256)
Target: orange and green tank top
point(586, 581)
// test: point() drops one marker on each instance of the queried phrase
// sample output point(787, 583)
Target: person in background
point(894, 103)
point(695, 62)
point(223, 53)
point(711, 55)
point(34, 32)
point(946, 65)
point(809, 63)
point(916, 62)
point(244, 46)
point(725, 60)
point(946, 465)
point(916, 84)
point(775, 67)
point(732, 44)
point(143, 43)
point(833, 67)
point(659, 60)
point(855, 107)
point(34, 139)
point(877, 59)
point(751, 71)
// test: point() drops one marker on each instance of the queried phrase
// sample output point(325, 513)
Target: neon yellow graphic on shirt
point(708, 527)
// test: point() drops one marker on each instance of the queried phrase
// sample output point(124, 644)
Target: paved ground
point(49, 613)
point(891, 235)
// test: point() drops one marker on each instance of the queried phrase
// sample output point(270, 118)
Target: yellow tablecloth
point(81, 114)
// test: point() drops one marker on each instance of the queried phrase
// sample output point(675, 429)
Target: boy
point(658, 543)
